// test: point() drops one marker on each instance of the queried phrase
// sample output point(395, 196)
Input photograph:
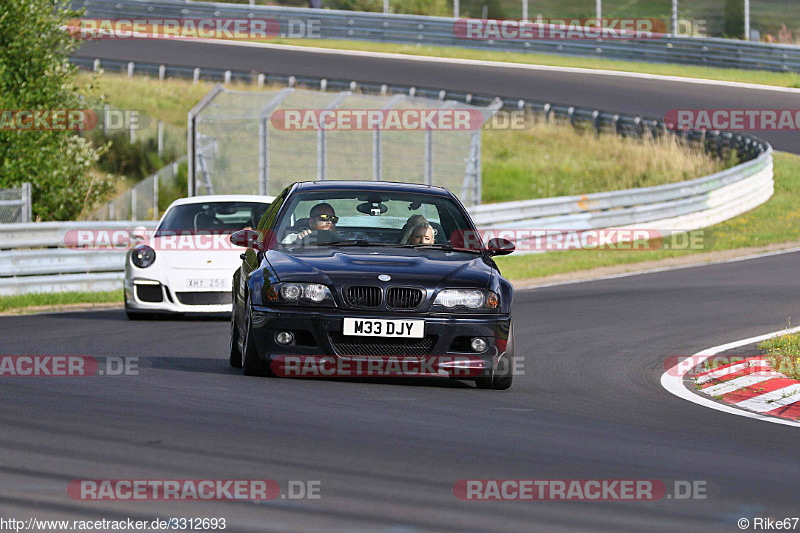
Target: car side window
point(268, 218)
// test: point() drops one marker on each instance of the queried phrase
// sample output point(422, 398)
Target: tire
point(235, 358)
point(252, 364)
point(503, 375)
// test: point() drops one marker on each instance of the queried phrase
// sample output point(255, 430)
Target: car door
point(251, 259)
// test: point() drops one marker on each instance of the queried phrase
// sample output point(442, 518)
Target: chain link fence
point(15, 204)
point(244, 142)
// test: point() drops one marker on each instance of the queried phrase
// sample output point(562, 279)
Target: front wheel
point(235, 358)
point(252, 364)
point(503, 375)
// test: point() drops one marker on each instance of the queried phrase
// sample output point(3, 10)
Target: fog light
point(284, 337)
point(478, 344)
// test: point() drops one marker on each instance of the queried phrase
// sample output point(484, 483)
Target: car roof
point(210, 198)
point(385, 186)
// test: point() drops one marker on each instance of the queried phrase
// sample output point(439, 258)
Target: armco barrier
point(33, 258)
point(415, 29)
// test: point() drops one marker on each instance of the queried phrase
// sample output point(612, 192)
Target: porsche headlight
point(469, 298)
point(142, 256)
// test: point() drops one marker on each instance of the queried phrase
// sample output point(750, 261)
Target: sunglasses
point(325, 218)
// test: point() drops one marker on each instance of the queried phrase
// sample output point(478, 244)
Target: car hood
point(339, 266)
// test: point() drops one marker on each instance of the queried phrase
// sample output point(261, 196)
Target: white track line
point(727, 371)
point(661, 269)
point(772, 400)
point(740, 383)
point(672, 380)
point(499, 64)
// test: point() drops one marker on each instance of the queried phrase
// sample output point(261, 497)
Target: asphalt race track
point(613, 93)
point(388, 454)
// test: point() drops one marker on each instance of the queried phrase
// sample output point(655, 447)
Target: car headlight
point(469, 298)
point(142, 256)
point(299, 292)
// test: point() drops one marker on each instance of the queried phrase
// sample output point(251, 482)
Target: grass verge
point(775, 221)
point(29, 302)
point(783, 354)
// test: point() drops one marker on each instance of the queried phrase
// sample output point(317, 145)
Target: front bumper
point(153, 296)
point(319, 344)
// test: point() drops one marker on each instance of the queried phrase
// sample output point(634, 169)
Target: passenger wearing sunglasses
point(322, 217)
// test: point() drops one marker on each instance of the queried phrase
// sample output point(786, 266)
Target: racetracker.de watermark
point(578, 490)
point(723, 366)
point(733, 119)
point(559, 29)
point(378, 119)
point(47, 119)
point(164, 240)
point(612, 239)
point(192, 490)
point(67, 366)
point(451, 366)
point(244, 29)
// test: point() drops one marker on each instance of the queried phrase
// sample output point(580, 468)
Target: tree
point(35, 74)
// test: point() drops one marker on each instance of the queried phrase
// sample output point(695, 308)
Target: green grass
point(547, 160)
point(23, 301)
point(789, 79)
point(775, 221)
point(783, 354)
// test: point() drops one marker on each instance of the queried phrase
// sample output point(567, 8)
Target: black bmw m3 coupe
point(359, 278)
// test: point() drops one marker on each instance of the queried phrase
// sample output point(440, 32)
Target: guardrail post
point(263, 155)
point(428, 157)
point(227, 77)
point(26, 198)
point(456, 9)
point(96, 65)
point(323, 85)
point(155, 196)
point(162, 72)
point(131, 66)
point(160, 137)
point(105, 119)
point(133, 203)
point(261, 78)
point(196, 75)
point(546, 108)
point(746, 20)
point(292, 80)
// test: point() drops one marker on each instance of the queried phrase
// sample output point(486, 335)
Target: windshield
point(368, 218)
point(212, 216)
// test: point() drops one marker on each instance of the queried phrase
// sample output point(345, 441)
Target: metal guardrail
point(414, 29)
point(34, 257)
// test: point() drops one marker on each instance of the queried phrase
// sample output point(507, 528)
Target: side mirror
point(246, 238)
point(139, 233)
point(500, 246)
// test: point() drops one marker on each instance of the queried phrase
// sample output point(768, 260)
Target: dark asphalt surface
point(613, 93)
point(387, 454)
